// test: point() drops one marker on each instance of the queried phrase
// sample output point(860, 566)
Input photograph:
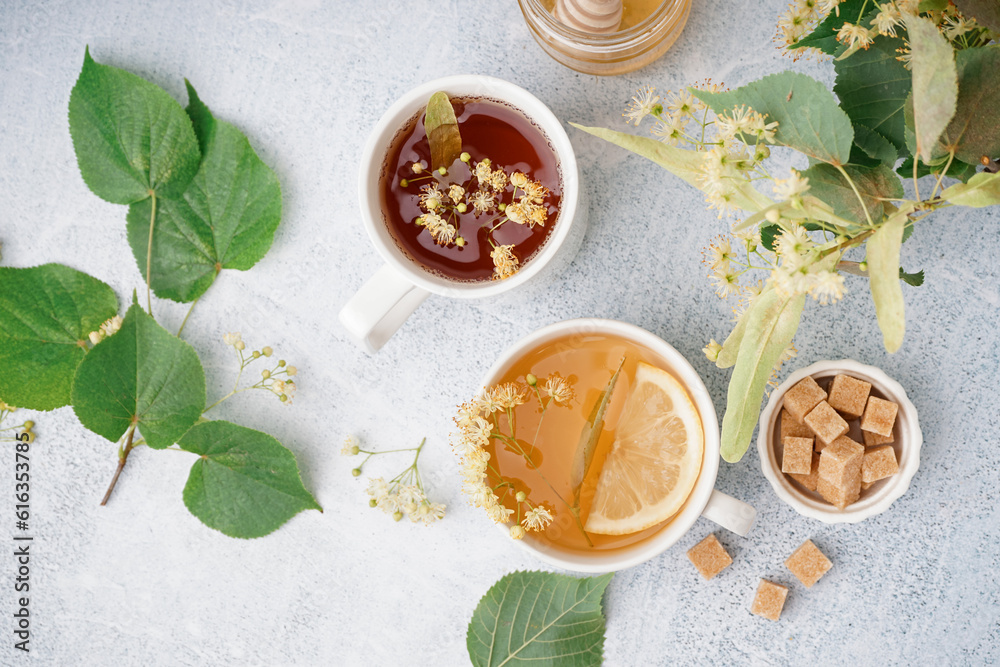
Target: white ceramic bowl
point(877, 498)
point(704, 499)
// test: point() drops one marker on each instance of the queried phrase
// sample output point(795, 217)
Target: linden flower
point(234, 339)
point(498, 181)
point(956, 26)
point(558, 388)
point(481, 201)
point(515, 213)
point(483, 171)
point(726, 282)
point(536, 519)
point(643, 103)
point(887, 19)
point(793, 243)
point(712, 350)
point(510, 395)
point(431, 197)
point(670, 130)
point(535, 191)
point(789, 283)
point(351, 446)
point(791, 189)
point(455, 193)
point(518, 180)
point(719, 254)
point(283, 389)
point(683, 103)
point(855, 36)
point(504, 262)
point(517, 532)
point(442, 231)
point(827, 287)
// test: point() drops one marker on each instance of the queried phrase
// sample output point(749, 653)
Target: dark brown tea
point(492, 209)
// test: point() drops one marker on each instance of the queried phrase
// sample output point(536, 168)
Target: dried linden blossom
point(478, 424)
point(484, 193)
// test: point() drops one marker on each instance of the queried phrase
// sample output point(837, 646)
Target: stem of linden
point(149, 256)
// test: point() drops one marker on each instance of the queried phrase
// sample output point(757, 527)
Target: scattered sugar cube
point(808, 563)
point(769, 600)
point(826, 423)
point(879, 416)
point(809, 481)
point(709, 557)
point(840, 461)
point(874, 439)
point(841, 496)
point(878, 463)
point(797, 457)
point(803, 397)
point(793, 428)
point(848, 395)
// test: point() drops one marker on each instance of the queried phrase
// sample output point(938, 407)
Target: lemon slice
point(655, 459)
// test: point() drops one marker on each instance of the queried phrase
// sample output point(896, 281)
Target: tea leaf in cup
point(441, 126)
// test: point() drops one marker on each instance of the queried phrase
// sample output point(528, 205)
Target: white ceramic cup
point(704, 500)
point(390, 296)
point(880, 495)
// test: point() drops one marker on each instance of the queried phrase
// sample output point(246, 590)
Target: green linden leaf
point(935, 83)
point(131, 138)
point(225, 220)
point(973, 129)
point(872, 86)
point(875, 146)
point(46, 314)
point(141, 375)
point(883, 270)
point(986, 12)
point(771, 324)
point(246, 484)
point(830, 186)
point(957, 169)
point(685, 164)
point(914, 279)
point(809, 118)
point(824, 35)
point(982, 190)
point(539, 618)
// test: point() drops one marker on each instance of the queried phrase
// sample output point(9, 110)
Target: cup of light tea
point(595, 444)
point(505, 210)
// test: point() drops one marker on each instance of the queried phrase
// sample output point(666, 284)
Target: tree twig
point(121, 464)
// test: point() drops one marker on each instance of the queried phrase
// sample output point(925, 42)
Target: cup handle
point(733, 515)
point(380, 307)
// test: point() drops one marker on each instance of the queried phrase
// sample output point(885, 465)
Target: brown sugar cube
point(840, 461)
point(709, 557)
point(809, 481)
point(874, 439)
point(808, 563)
point(793, 428)
point(841, 496)
point(878, 463)
point(769, 600)
point(879, 416)
point(826, 423)
point(797, 457)
point(803, 397)
point(848, 395)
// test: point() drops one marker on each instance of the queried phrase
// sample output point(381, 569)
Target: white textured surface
point(141, 582)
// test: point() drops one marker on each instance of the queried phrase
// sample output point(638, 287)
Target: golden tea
point(587, 440)
point(485, 214)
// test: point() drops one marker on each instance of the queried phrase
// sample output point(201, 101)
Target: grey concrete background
point(141, 582)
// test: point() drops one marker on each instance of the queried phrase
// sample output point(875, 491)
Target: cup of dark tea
point(507, 211)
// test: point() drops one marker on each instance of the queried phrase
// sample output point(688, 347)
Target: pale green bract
point(935, 83)
point(142, 375)
point(252, 471)
point(539, 618)
point(46, 314)
point(981, 190)
point(883, 269)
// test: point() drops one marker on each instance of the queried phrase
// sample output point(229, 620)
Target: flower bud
point(292, 370)
point(417, 168)
point(281, 363)
point(28, 425)
point(397, 515)
point(240, 345)
point(403, 183)
point(372, 502)
point(521, 495)
point(462, 208)
point(354, 450)
point(356, 472)
point(465, 157)
point(256, 354)
point(517, 532)
point(863, 266)
point(460, 242)
point(31, 436)
point(265, 373)
point(442, 171)
point(267, 351)
point(95, 337)
point(772, 216)
point(283, 398)
point(531, 380)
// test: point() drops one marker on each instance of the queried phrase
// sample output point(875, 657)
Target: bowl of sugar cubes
point(839, 441)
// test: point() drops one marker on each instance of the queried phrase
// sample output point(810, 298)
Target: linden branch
point(122, 459)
